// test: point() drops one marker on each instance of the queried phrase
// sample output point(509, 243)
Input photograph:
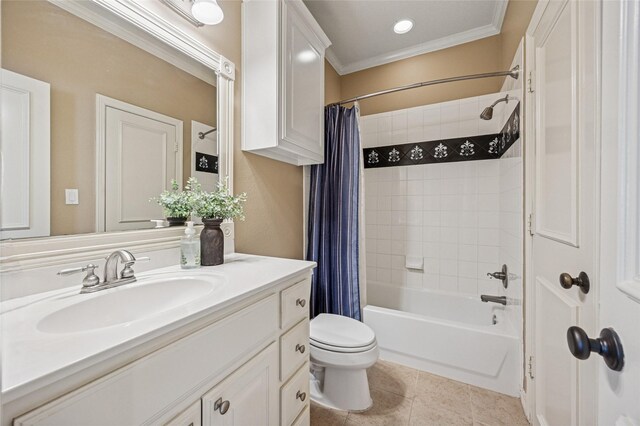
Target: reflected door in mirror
point(24, 210)
point(142, 155)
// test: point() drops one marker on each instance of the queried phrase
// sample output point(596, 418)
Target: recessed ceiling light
point(403, 26)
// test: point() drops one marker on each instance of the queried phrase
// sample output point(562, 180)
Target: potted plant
point(177, 205)
point(213, 208)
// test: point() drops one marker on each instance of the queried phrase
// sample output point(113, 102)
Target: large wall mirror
point(103, 105)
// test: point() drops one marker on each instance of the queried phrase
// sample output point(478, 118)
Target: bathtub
point(453, 336)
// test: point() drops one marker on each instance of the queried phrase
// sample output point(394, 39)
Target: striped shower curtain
point(333, 217)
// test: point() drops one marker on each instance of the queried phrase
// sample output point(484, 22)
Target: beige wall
point(332, 91)
point(485, 55)
point(274, 209)
point(80, 60)
point(515, 25)
point(273, 224)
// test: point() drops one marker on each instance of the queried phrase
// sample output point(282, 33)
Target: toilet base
point(340, 389)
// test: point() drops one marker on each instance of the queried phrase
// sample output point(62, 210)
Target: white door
point(246, 397)
point(563, 57)
point(204, 155)
point(619, 296)
point(25, 156)
point(142, 155)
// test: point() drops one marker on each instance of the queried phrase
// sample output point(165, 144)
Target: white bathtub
point(453, 336)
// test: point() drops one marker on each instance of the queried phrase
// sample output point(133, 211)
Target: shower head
point(487, 113)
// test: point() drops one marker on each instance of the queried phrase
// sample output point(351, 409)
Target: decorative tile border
point(206, 163)
point(482, 147)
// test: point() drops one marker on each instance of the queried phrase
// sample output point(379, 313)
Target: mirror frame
point(134, 23)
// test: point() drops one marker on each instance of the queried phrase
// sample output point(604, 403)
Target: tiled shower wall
point(447, 215)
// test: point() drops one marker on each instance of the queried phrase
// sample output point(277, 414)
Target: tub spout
point(495, 299)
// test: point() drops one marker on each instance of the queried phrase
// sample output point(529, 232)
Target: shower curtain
point(333, 229)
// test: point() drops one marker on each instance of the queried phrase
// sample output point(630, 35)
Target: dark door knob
point(582, 281)
point(608, 346)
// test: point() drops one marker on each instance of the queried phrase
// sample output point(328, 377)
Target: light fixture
point(403, 26)
point(207, 11)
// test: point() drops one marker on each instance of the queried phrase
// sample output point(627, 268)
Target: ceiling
point(362, 30)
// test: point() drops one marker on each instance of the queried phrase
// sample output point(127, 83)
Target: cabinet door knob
point(222, 406)
point(301, 302)
point(300, 348)
point(301, 396)
point(582, 281)
point(608, 346)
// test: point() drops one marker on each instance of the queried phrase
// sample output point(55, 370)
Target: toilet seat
point(337, 333)
point(340, 349)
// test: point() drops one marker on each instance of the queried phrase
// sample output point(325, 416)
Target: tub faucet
point(495, 299)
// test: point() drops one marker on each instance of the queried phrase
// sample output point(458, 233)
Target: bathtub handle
point(502, 275)
point(608, 346)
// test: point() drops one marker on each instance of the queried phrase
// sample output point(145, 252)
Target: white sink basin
point(130, 302)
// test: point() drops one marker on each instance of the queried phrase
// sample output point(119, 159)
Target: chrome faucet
point(91, 283)
point(111, 267)
point(495, 299)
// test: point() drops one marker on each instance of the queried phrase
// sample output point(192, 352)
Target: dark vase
point(176, 221)
point(211, 243)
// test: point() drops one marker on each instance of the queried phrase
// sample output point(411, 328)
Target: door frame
point(620, 206)
point(529, 397)
point(102, 103)
point(36, 157)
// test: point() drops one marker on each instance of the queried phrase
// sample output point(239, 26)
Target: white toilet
point(341, 351)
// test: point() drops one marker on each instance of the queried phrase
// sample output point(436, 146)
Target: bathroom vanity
point(221, 345)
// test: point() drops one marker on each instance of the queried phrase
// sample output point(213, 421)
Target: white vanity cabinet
point(243, 366)
point(247, 397)
point(283, 81)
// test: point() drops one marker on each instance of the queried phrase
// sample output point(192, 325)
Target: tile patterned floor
point(403, 396)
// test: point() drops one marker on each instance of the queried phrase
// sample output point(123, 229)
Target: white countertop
point(33, 359)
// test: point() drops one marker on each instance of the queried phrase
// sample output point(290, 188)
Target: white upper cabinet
point(283, 81)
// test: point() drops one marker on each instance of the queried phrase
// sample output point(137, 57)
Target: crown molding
point(499, 13)
point(419, 49)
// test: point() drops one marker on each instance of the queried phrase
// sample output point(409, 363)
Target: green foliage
point(219, 204)
point(175, 203)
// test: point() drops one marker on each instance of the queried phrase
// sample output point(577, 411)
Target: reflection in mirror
point(94, 126)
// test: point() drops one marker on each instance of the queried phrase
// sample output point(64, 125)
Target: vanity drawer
point(294, 349)
point(294, 303)
point(192, 416)
point(294, 396)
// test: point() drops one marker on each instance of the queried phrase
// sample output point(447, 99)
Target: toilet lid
point(339, 331)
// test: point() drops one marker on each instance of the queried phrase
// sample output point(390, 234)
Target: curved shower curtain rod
point(513, 73)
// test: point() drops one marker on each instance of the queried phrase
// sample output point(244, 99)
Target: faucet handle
point(127, 271)
point(90, 280)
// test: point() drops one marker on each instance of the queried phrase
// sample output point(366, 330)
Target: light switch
point(71, 196)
